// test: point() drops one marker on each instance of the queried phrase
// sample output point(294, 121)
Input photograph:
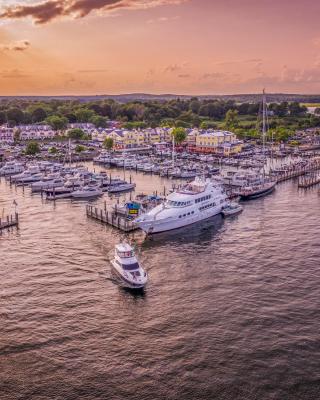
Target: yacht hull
point(152, 227)
point(257, 194)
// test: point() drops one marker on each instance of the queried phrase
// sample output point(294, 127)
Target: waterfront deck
point(9, 221)
point(111, 218)
point(313, 166)
point(308, 181)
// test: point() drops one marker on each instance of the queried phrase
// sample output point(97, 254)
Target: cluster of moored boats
point(57, 181)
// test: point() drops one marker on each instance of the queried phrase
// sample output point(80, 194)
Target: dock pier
point(110, 218)
point(313, 166)
point(9, 221)
point(307, 181)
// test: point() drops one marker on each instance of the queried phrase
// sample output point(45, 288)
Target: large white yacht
point(196, 201)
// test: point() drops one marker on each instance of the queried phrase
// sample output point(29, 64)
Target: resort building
point(214, 142)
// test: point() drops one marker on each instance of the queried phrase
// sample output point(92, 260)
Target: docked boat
point(11, 168)
point(127, 269)
point(242, 178)
point(47, 183)
point(232, 209)
point(255, 191)
point(58, 193)
point(87, 192)
point(194, 202)
point(29, 179)
point(122, 187)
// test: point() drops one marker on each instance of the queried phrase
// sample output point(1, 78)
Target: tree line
point(185, 113)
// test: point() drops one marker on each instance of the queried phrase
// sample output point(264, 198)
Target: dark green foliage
point(32, 148)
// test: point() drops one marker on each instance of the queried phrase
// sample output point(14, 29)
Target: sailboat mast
point(69, 151)
point(264, 112)
point(173, 150)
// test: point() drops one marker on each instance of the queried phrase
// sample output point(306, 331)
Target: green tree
point(15, 115)
point(98, 121)
point(53, 150)
point(179, 135)
point(57, 123)
point(17, 135)
point(79, 148)
point(76, 134)
point(84, 114)
point(231, 120)
point(3, 117)
point(295, 109)
point(32, 148)
point(208, 125)
point(38, 115)
point(108, 143)
point(195, 105)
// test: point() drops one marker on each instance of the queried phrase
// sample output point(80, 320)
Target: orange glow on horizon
point(184, 47)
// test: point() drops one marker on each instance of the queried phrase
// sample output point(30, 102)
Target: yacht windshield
point(130, 267)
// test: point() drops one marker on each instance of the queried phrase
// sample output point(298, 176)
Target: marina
point(159, 200)
point(227, 275)
point(307, 181)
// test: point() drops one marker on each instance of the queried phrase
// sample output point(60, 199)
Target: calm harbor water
point(232, 310)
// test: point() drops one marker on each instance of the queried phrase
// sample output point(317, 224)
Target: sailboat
point(266, 185)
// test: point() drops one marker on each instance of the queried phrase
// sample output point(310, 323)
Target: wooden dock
point(110, 218)
point(307, 181)
point(9, 221)
point(312, 166)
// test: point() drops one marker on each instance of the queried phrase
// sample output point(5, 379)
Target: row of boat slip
point(158, 165)
point(58, 181)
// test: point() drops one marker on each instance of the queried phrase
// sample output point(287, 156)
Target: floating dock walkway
point(9, 221)
point(312, 166)
point(308, 181)
point(110, 218)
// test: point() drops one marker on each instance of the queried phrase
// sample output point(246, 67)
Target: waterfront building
point(6, 134)
point(214, 142)
point(35, 132)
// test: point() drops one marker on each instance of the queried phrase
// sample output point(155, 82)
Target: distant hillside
point(125, 98)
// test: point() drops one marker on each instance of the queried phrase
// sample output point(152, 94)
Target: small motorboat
point(127, 269)
point(122, 187)
point(232, 209)
point(58, 193)
point(87, 192)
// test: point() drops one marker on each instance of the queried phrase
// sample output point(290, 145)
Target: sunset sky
point(55, 47)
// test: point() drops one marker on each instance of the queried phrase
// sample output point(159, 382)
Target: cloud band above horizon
point(49, 10)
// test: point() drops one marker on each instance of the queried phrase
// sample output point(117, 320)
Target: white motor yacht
point(11, 168)
point(121, 187)
point(61, 192)
point(87, 192)
point(29, 179)
point(127, 269)
point(48, 182)
point(196, 201)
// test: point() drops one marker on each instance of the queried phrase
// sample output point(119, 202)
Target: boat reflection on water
point(199, 232)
